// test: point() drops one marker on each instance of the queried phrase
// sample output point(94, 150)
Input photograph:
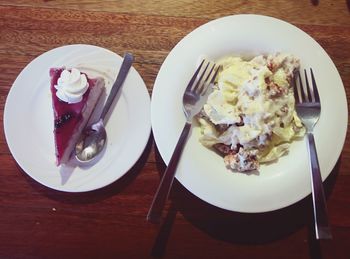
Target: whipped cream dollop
point(71, 86)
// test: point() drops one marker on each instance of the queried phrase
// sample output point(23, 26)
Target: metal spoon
point(94, 137)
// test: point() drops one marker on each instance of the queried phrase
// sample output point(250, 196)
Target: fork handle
point(161, 196)
point(322, 228)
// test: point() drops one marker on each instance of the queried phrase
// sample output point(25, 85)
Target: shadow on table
point(100, 194)
point(240, 228)
point(314, 2)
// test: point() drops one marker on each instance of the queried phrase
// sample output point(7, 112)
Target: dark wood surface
point(36, 222)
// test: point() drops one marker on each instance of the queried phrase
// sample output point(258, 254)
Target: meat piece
point(221, 128)
point(243, 160)
point(275, 90)
point(223, 149)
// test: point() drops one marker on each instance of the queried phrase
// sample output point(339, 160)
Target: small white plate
point(28, 120)
point(203, 172)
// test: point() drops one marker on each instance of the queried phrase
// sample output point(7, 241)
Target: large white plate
point(28, 120)
point(203, 172)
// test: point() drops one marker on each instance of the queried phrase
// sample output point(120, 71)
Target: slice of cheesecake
point(74, 97)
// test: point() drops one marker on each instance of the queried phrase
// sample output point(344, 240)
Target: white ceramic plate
point(203, 172)
point(28, 120)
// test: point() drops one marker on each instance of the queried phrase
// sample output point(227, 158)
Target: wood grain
point(37, 222)
point(328, 12)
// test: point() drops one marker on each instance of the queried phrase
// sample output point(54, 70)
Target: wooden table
point(37, 222)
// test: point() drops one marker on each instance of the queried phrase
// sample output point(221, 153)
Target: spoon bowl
point(91, 142)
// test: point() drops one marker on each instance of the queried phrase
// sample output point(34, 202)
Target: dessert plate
point(201, 170)
point(28, 120)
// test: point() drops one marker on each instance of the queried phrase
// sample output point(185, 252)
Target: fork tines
point(305, 93)
point(207, 72)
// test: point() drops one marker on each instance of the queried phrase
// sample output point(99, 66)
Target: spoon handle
point(123, 72)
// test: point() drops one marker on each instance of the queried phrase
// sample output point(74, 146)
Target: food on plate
point(249, 117)
point(74, 97)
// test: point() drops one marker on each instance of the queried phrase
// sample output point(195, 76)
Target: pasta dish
point(249, 117)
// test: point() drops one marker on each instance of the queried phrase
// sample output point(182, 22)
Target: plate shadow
point(235, 227)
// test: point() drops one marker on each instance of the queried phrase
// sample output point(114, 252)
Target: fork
point(308, 108)
point(194, 97)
